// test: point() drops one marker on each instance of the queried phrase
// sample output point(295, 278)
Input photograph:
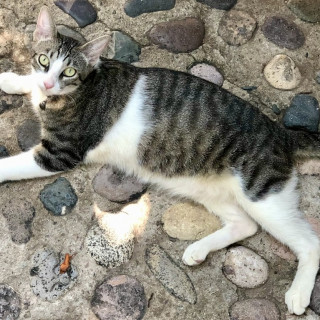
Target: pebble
point(303, 113)
point(282, 73)
point(5, 44)
point(185, 221)
point(10, 304)
point(123, 48)
point(178, 36)
point(281, 250)
point(118, 298)
point(283, 33)
point(207, 72)
point(253, 309)
point(104, 252)
point(245, 268)
point(8, 102)
point(28, 134)
point(115, 186)
point(308, 315)
point(315, 297)
point(307, 10)
point(46, 280)
point(236, 27)
point(170, 275)
point(81, 11)
point(318, 77)
point(219, 4)
point(19, 214)
point(59, 197)
point(3, 152)
point(134, 8)
point(276, 109)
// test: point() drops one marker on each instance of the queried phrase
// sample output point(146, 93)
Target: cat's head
point(61, 63)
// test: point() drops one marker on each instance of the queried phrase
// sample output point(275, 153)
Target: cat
point(186, 135)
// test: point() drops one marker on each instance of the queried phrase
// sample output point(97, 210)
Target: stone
point(123, 48)
point(5, 44)
point(253, 309)
point(276, 109)
point(118, 298)
point(303, 113)
point(105, 252)
point(115, 186)
point(282, 73)
point(306, 10)
point(3, 152)
point(9, 102)
point(59, 197)
point(178, 36)
point(245, 268)
point(185, 221)
point(46, 280)
point(283, 33)
point(315, 297)
point(10, 304)
point(236, 27)
point(19, 214)
point(281, 250)
point(318, 77)
point(308, 315)
point(81, 11)
point(170, 275)
point(219, 4)
point(207, 72)
point(134, 8)
point(28, 134)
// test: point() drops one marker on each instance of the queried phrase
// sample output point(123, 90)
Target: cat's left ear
point(46, 28)
point(93, 49)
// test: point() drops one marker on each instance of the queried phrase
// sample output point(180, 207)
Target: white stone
point(207, 72)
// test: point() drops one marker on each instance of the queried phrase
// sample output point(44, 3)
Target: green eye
point(44, 60)
point(69, 72)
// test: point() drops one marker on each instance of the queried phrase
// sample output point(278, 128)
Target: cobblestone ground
point(60, 259)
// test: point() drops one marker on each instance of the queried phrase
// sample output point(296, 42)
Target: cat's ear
point(45, 29)
point(93, 49)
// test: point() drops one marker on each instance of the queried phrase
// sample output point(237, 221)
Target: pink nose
point(48, 84)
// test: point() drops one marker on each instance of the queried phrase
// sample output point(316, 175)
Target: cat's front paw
point(194, 254)
point(297, 299)
point(11, 83)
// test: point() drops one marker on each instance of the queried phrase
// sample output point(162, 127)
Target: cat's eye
point(44, 60)
point(69, 72)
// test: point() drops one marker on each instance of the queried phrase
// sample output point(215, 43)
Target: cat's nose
point(48, 84)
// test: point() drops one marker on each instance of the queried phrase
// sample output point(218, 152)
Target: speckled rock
point(282, 73)
point(5, 44)
point(59, 197)
point(283, 33)
point(46, 280)
point(303, 113)
point(104, 252)
point(134, 8)
point(118, 298)
point(8, 102)
point(207, 72)
point(185, 221)
point(3, 152)
point(178, 36)
point(170, 275)
point(253, 309)
point(245, 268)
point(281, 250)
point(307, 10)
point(219, 4)
point(315, 297)
point(9, 303)
point(19, 214)
point(116, 186)
point(28, 134)
point(236, 27)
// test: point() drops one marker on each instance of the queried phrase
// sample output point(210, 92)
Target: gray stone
point(134, 8)
point(219, 4)
point(276, 109)
point(5, 44)
point(283, 33)
point(253, 309)
point(170, 275)
point(307, 10)
point(236, 27)
point(318, 77)
point(59, 197)
point(19, 214)
point(207, 72)
point(28, 134)
point(46, 280)
point(3, 152)
point(315, 297)
point(9, 102)
point(178, 36)
point(118, 298)
point(303, 113)
point(9, 303)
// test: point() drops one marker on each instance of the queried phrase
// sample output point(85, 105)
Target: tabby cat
point(180, 132)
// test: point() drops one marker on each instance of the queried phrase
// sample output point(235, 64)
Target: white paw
point(13, 83)
point(194, 254)
point(297, 299)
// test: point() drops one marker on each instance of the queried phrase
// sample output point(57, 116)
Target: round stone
point(253, 309)
point(207, 72)
point(245, 268)
point(28, 134)
point(178, 35)
point(236, 27)
point(219, 4)
point(282, 73)
point(134, 8)
point(185, 221)
point(307, 10)
point(283, 33)
point(118, 298)
point(9, 303)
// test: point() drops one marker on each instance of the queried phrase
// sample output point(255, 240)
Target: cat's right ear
point(46, 28)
